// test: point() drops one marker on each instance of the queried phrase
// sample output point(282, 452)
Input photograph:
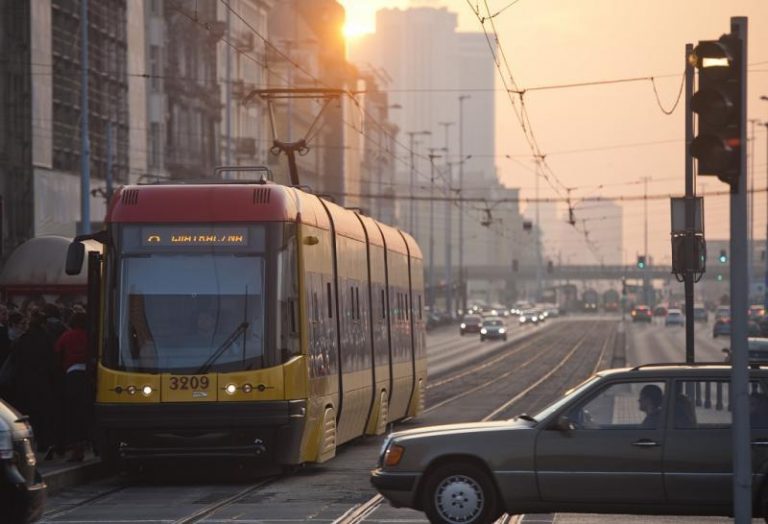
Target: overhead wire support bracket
point(300, 146)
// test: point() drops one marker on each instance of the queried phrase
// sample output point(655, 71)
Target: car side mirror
point(563, 423)
point(75, 257)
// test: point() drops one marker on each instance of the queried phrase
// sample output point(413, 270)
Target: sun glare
point(354, 29)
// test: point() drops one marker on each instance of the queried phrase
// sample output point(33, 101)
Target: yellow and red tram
point(252, 320)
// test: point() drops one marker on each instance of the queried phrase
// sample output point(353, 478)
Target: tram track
point(550, 346)
point(360, 512)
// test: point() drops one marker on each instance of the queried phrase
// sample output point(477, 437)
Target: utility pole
point(462, 279)
point(448, 226)
point(690, 211)
point(85, 146)
point(646, 291)
point(538, 233)
point(412, 222)
point(765, 281)
point(228, 115)
point(431, 270)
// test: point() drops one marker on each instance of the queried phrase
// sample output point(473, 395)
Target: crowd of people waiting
point(43, 360)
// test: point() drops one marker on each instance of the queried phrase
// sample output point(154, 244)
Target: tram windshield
point(190, 308)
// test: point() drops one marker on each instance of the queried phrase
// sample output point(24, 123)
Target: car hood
point(454, 429)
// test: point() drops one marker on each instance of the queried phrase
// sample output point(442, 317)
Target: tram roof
point(203, 203)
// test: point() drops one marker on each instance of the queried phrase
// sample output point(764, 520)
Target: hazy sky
point(600, 140)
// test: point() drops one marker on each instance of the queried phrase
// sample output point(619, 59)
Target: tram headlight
point(146, 391)
point(247, 388)
point(131, 390)
point(230, 389)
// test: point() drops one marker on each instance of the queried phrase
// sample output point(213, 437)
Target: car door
point(697, 455)
point(611, 452)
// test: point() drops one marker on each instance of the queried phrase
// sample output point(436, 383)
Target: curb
point(74, 475)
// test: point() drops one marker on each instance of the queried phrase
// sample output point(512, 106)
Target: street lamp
point(412, 222)
point(431, 271)
point(765, 281)
point(462, 283)
point(448, 225)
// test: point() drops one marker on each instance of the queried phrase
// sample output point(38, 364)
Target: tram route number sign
point(171, 236)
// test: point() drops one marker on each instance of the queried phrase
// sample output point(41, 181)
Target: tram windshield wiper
point(223, 347)
point(526, 416)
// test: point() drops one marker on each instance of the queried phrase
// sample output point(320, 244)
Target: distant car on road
point(493, 328)
point(756, 312)
point(470, 324)
point(660, 311)
point(22, 490)
point(722, 327)
point(757, 349)
point(640, 440)
point(674, 318)
point(529, 316)
point(700, 314)
point(641, 314)
point(722, 312)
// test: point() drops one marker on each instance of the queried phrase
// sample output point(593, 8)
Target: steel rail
point(358, 513)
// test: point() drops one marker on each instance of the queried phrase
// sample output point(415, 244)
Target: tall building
point(40, 117)
point(431, 65)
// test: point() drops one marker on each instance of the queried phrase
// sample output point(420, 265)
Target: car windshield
point(471, 320)
point(493, 322)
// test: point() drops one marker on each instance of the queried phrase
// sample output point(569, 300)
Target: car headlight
point(463, 325)
point(502, 331)
point(393, 455)
point(6, 445)
point(522, 320)
point(483, 331)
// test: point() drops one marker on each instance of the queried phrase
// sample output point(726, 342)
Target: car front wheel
point(460, 493)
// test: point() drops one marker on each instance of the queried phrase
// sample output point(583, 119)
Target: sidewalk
point(59, 474)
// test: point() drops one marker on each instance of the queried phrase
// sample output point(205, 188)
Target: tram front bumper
point(264, 431)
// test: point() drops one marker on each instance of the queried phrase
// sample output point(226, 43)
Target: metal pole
point(412, 185)
point(109, 179)
point(765, 283)
point(646, 291)
point(85, 146)
point(448, 286)
point(228, 115)
point(742, 467)
point(690, 218)
point(462, 281)
point(448, 245)
point(431, 272)
point(538, 234)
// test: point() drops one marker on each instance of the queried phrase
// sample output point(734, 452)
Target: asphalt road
point(469, 380)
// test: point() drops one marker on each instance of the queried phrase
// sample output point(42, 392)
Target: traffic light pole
point(690, 210)
point(742, 464)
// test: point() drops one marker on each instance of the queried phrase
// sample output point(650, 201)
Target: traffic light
point(717, 146)
point(640, 262)
point(723, 256)
point(514, 265)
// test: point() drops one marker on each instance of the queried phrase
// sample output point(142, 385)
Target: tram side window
point(315, 307)
point(419, 307)
point(329, 298)
point(383, 306)
point(407, 309)
point(357, 301)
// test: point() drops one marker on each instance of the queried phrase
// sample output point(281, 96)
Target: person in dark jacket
point(33, 385)
point(72, 348)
